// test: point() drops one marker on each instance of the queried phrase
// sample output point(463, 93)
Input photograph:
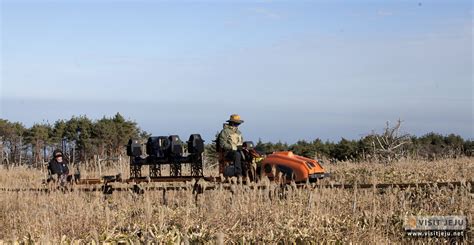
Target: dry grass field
point(322, 215)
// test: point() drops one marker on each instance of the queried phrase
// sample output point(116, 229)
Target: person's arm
point(241, 138)
point(53, 168)
point(225, 140)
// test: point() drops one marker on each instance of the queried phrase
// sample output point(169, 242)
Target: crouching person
point(58, 170)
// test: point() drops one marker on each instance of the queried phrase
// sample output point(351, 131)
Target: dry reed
point(243, 215)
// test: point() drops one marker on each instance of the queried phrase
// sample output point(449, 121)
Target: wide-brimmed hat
point(235, 118)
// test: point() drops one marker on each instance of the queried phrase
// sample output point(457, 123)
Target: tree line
point(385, 147)
point(82, 139)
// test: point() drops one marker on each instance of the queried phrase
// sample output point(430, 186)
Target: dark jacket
point(54, 167)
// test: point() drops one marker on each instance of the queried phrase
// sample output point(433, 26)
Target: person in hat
point(58, 168)
point(230, 142)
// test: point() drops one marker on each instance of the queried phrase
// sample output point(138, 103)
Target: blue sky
point(292, 69)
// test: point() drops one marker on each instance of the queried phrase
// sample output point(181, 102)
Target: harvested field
point(243, 215)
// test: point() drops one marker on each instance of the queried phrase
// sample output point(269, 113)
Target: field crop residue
point(243, 215)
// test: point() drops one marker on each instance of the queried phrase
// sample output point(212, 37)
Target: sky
point(292, 69)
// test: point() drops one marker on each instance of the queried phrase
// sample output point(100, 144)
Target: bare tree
point(389, 146)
